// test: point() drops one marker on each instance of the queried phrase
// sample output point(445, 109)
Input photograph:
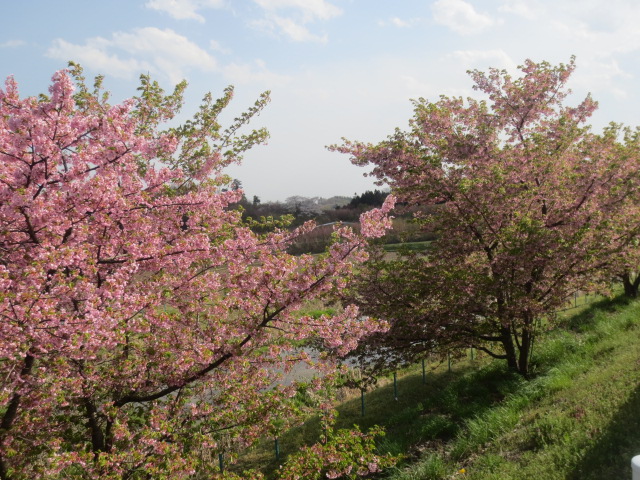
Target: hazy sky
point(336, 68)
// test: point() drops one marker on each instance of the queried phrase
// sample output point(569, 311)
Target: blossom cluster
point(142, 323)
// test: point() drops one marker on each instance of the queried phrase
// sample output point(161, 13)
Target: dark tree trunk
point(524, 352)
point(97, 437)
point(509, 347)
point(517, 350)
point(11, 413)
point(630, 286)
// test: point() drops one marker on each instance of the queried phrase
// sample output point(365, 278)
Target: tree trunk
point(517, 351)
point(97, 437)
point(509, 347)
point(11, 413)
point(524, 351)
point(630, 286)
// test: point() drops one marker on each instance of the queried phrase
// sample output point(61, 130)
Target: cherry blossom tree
point(144, 327)
point(625, 267)
point(531, 207)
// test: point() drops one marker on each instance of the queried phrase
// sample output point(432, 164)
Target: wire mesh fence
point(472, 355)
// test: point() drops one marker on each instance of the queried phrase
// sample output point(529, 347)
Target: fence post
point(395, 386)
point(277, 445)
point(221, 462)
point(424, 373)
point(362, 400)
point(449, 360)
point(635, 468)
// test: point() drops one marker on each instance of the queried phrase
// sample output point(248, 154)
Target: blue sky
point(336, 68)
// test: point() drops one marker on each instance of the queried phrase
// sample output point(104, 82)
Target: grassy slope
point(579, 418)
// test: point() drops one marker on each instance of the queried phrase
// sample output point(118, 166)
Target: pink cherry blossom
point(143, 324)
point(529, 206)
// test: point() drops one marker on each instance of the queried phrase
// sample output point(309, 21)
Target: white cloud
point(184, 9)
point(256, 73)
point(400, 23)
point(600, 31)
point(605, 38)
point(94, 56)
point(298, 14)
point(415, 88)
point(12, 43)
point(461, 17)
point(484, 58)
point(310, 9)
point(128, 54)
point(595, 74)
point(529, 9)
point(217, 46)
point(296, 31)
point(287, 26)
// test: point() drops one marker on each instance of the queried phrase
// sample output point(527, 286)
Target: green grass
point(407, 246)
point(578, 418)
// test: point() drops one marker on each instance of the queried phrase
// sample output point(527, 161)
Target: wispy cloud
point(310, 9)
point(184, 9)
point(12, 43)
point(529, 9)
point(484, 58)
point(288, 27)
point(602, 31)
point(399, 22)
point(461, 17)
point(218, 47)
point(257, 72)
point(291, 17)
point(602, 75)
point(126, 54)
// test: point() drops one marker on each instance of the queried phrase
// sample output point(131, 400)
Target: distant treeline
point(295, 210)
